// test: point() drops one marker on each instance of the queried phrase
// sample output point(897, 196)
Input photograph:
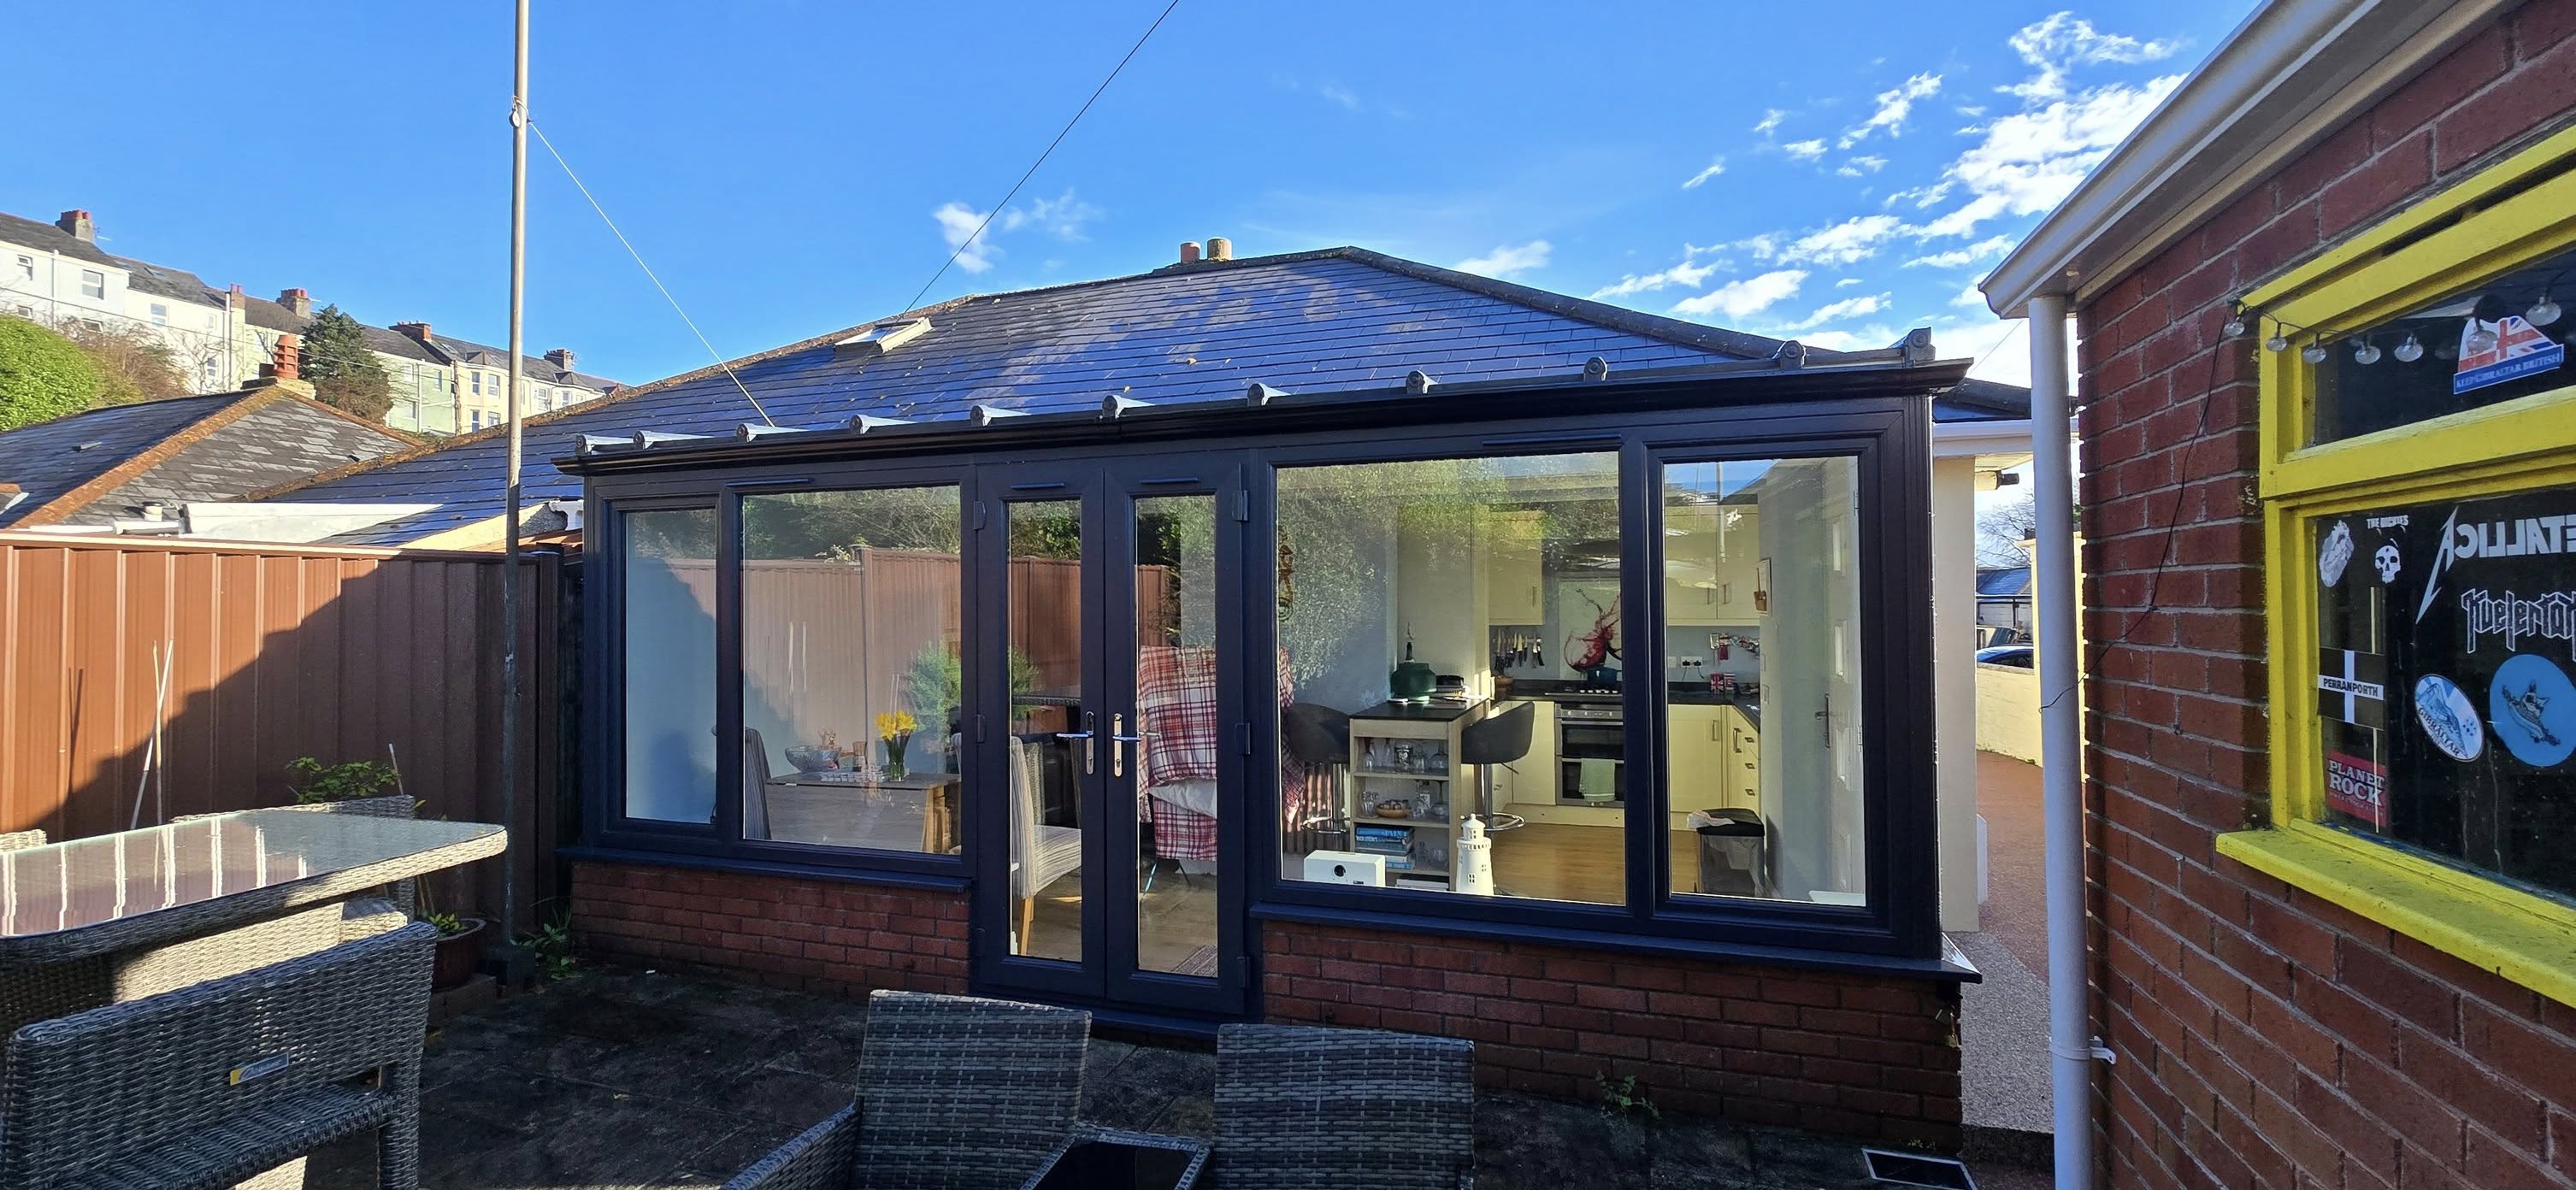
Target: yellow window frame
point(2521, 209)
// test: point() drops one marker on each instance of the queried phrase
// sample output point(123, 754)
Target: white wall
point(2007, 712)
point(1957, 708)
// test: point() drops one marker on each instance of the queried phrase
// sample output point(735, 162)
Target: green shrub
point(318, 782)
point(42, 375)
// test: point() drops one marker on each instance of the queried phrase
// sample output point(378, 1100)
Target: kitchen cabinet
point(1710, 556)
point(1532, 778)
point(1714, 754)
point(1515, 584)
point(1743, 747)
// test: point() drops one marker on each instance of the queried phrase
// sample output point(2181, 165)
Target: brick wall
point(1859, 1055)
point(809, 935)
point(2265, 1037)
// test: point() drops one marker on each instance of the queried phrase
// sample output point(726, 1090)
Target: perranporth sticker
point(2533, 709)
point(2448, 718)
point(2334, 553)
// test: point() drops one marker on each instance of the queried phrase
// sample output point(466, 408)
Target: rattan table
point(137, 890)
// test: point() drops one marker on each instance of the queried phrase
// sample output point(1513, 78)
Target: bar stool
point(1493, 740)
point(1315, 735)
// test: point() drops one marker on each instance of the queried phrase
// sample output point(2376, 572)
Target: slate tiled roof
point(2003, 582)
point(33, 234)
point(220, 446)
point(162, 281)
point(1341, 318)
point(538, 368)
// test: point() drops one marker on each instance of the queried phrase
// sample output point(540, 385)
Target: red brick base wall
point(1859, 1055)
point(2265, 1037)
point(809, 935)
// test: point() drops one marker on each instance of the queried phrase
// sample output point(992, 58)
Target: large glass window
point(669, 586)
point(851, 668)
point(1761, 590)
point(2475, 346)
point(1057, 743)
point(1453, 647)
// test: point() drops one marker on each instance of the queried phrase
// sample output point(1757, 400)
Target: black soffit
point(1265, 409)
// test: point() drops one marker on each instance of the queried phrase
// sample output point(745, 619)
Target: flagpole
point(510, 609)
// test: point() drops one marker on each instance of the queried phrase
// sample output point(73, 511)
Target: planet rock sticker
point(2448, 718)
point(2357, 786)
point(2532, 707)
point(2334, 554)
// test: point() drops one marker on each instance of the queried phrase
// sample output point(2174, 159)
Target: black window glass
point(2480, 346)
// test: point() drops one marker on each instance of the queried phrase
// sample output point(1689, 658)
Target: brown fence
point(275, 652)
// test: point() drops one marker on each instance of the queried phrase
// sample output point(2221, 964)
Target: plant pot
point(459, 956)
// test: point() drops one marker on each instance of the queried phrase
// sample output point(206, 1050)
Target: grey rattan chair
point(955, 1093)
point(208, 1085)
point(1301, 1108)
point(22, 840)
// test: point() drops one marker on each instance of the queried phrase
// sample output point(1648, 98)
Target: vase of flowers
point(895, 728)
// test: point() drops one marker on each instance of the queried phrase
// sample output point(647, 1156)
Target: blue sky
point(793, 168)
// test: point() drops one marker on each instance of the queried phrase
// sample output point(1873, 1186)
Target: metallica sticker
point(2446, 641)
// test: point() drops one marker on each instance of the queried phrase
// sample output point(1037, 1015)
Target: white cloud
point(1770, 121)
point(1508, 259)
point(1716, 166)
point(1970, 296)
point(1804, 150)
point(2066, 40)
point(1846, 282)
point(1923, 197)
point(1062, 216)
point(1984, 249)
point(1340, 94)
point(2030, 160)
point(1685, 274)
point(1894, 106)
point(1852, 307)
point(1868, 338)
point(1862, 166)
point(1745, 298)
point(1849, 242)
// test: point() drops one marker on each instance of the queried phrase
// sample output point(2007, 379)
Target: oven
point(1591, 753)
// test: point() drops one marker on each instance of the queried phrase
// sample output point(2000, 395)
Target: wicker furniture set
point(959, 1093)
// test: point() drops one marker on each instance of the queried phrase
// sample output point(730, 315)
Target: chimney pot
point(1220, 248)
point(560, 357)
point(297, 300)
point(284, 363)
point(1189, 252)
point(237, 289)
point(79, 225)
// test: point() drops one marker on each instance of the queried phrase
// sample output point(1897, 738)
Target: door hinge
point(1243, 738)
point(1243, 970)
point(1242, 506)
point(979, 514)
point(979, 727)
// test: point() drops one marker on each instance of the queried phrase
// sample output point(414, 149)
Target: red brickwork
point(2265, 1037)
point(810, 935)
point(1860, 1055)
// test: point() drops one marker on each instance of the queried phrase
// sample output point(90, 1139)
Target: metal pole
point(2061, 769)
point(510, 612)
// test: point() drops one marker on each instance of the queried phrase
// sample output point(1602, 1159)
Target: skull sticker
point(2386, 563)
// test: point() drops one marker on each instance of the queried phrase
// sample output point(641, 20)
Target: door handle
point(1083, 735)
point(1117, 736)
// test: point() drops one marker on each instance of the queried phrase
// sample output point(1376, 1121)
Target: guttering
point(2288, 77)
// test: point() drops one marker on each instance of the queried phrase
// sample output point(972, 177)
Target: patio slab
point(627, 1078)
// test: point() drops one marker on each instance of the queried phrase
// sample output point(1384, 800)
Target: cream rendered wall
point(1955, 706)
point(2008, 711)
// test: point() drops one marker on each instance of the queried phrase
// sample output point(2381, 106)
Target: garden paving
point(625, 1078)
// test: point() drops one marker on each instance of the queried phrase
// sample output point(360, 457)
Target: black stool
point(1493, 740)
point(1315, 734)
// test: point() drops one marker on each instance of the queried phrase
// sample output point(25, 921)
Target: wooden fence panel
point(275, 652)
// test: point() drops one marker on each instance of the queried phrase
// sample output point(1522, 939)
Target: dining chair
point(954, 1093)
point(1040, 854)
point(1306, 1108)
point(210, 1084)
point(22, 840)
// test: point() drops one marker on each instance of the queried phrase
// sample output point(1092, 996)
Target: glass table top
point(109, 878)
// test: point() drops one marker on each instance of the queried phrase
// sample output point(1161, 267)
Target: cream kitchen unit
point(1716, 757)
point(1712, 565)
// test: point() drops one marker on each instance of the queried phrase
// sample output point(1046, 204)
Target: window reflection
point(2484, 345)
point(851, 668)
point(669, 589)
point(1454, 643)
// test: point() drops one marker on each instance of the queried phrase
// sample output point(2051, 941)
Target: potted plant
point(460, 943)
point(353, 781)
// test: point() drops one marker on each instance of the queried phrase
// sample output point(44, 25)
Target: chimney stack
point(1189, 252)
point(286, 361)
point(419, 331)
point(78, 224)
point(1220, 248)
point(560, 357)
point(298, 301)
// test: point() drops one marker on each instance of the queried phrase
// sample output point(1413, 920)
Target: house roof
point(538, 368)
point(108, 463)
point(2003, 582)
point(163, 281)
point(34, 234)
point(1333, 319)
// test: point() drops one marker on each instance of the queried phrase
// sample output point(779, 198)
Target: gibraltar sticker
point(2532, 707)
point(2357, 786)
point(2449, 719)
point(2519, 350)
point(2335, 554)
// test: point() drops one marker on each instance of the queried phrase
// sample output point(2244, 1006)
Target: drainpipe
point(2070, 1039)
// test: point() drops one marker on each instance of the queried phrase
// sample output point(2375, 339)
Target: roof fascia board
point(2291, 74)
point(1961, 439)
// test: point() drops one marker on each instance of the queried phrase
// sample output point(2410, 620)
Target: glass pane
point(2483, 345)
point(1176, 684)
point(1056, 740)
point(1762, 728)
point(1453, 650)
point(2447, 633)
point(669, 585)
point(851, 675)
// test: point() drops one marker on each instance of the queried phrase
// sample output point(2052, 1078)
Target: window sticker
point(2388, 563)
point(2505, 350)
point(2450, 720)
point(2533, 709)
point(2335, 554)
point(2358, 786)
point(2355, 687)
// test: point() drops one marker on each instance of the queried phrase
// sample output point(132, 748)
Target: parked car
point(2017, 656)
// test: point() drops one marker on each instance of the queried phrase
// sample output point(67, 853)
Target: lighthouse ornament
point(1475, 858)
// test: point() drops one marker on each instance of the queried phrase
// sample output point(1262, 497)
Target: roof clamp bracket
point(1418, 382)
point(1793, 354)
point(1114, 407)
point(1917, 347)
point(868, 422)
point(1257, 394)
point(754, 432)
point(985, 415)
point(1596, 368)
